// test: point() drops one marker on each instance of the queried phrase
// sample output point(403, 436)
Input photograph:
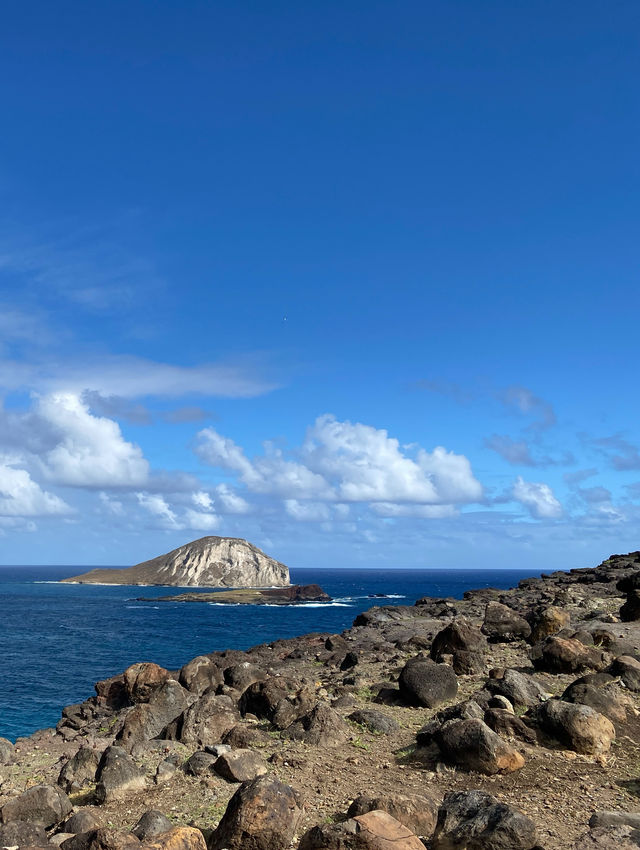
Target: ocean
point(59, 639)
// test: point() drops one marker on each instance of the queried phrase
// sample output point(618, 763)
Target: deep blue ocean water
point(58, 639)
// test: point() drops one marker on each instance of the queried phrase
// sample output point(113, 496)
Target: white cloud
point(91, 451)
point(158, 507)
point(202, 499)
point(200, 520)
point(229, 501)
point(21, 496)
point(368, 465)
point(306, 511)
point(347, 462)
point(269, 474)
point(538, 498)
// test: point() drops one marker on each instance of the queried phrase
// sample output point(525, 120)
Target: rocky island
point(507, 720)
point(207, 562)
point(295, 594)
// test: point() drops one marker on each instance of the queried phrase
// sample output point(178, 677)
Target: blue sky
point(355, 281)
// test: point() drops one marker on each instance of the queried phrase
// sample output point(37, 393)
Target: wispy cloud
point(525, 402)
point(621, 454)
point(127, 377)
point(521, 453)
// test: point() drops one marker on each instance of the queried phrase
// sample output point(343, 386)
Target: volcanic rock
point(261, 815)
point(476, 820)
point(47, 805)
point(416, 812)
point(423, 682)
point(471, 744)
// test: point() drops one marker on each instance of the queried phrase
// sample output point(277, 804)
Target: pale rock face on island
point(207, 562)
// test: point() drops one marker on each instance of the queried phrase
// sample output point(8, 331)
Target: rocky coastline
point(295, 594)
point(508, 720)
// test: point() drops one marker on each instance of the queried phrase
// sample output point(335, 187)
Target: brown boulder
point(142, 679)
point(240, 766)
point(578, 726)
point(199, 674)
point(548, 621)
point(261, 815)
point(179, 838)
point(567, 655)
point(417, 813)
point(375, 830)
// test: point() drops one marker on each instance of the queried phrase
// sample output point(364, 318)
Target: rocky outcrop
point(295, 594)
point(207, 562)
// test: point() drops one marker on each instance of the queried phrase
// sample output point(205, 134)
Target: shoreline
point(552, 631)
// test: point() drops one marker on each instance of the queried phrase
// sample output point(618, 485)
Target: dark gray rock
point(609, 838)
point(322, 727)
point(600, 692)
point(165, 771)
point(467, 663)
point(423, 682)
point(374, 721)
point(627, 669)
point(80, 770)
point(117, 775)
point(474, 820)
point(350, 660)
point(460, 635)
point(205, 722)
point(6, 751)
point(615, 819)
point(467, 710)
point(151, 823)
point(630, 611)
point(240, 676)
point(520, 689)
point(84, 820)
point(46, 805)
point(508, 726)
point(472, 745)
point(147, 720)
point(200, 764)
point(502, 623)
point(23, 834)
